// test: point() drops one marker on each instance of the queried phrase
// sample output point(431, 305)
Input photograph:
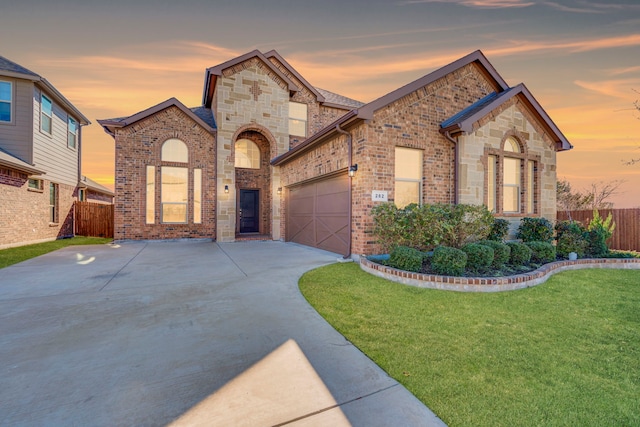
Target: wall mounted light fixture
point(226, 189)
point(352, 169)
point(279, 191)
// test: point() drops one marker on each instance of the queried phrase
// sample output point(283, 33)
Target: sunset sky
point(579, 58)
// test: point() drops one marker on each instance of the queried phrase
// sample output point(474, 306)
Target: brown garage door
point(318, 214)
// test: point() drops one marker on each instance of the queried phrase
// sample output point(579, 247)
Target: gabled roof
point(11, 69)
point(10, 161)
point(314, 90)
point(366, 111)
point(200, 115)
point(465, 119)
point(212, 73)
point(86, 182)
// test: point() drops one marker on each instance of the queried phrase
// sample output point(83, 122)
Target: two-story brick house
point(40, 146)
point(270, 155)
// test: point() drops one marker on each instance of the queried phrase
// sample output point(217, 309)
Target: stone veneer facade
point(138, 146)
point(32, 225)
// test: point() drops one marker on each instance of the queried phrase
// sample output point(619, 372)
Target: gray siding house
point(40, 147)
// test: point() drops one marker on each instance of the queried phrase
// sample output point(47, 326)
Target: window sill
point(35, 190)
point(54, 224)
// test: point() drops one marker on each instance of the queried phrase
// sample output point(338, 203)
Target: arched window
point(174, 150)
point(508, 170)
point(247, 154)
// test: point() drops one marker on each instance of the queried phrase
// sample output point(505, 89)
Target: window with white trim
point(6, 101)
point(46, 114)
point(72, 133)
point(297, 119)
point(408, 176)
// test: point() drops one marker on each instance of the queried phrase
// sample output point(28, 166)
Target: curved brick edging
point(493, 284)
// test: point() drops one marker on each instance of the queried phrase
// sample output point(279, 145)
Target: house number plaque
point(379, 196)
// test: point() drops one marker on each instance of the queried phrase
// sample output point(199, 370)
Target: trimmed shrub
point(597, 243)
point(520, 253)
point(571, 237)
point(542, 252)
point(499, 230)
point(501, 253)
point(464, 223)
point(448, 261)
point(479, 257)
point(406, 258)
point(535, 230)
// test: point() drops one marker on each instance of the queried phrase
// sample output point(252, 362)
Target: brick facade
point(250, 99)
point(24, 212)
point(138, 146)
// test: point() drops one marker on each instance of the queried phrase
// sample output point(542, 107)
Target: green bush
point(499, 230)
point(479, 257)
point(425, 227)
point(520, 253)
point(571, 237)
point(535, 230)
point(597, 243)
point(448, 261)
point(464, 223)
point(598, 231)
point(501, 252)
point(405, 258)
point(542, 252)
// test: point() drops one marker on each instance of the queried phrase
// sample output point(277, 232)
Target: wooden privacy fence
point(93, 219)
point(625, 237)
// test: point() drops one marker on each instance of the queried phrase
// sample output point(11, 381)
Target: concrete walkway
point(182, 333)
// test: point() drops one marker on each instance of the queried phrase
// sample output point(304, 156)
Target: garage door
point(318, 214)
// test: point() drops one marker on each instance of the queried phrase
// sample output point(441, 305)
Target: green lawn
point(563, 353)
point(22, 253)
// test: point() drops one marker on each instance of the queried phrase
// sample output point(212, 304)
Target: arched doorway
point(253, 183)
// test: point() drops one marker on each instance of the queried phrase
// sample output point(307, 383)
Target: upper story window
point(408, 176)
point(247, 154)
point(46, 114)
point(297, 119)
point(174, 150)
point(6, 100)
point(72, 133)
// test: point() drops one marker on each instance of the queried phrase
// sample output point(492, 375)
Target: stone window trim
point(4, 101)
point(524, 156)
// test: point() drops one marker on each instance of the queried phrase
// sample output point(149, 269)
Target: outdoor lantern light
point(279, 191)
point(353, 169)
point(226, 189)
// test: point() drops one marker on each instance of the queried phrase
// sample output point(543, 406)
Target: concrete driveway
point(182, 333)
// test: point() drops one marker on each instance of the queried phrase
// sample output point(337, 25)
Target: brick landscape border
point(493, 284)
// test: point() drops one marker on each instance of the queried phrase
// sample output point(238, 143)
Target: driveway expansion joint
point(123, 267)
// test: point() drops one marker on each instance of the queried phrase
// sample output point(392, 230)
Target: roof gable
point(211, 74)
point(465, 119)
point(200, 115)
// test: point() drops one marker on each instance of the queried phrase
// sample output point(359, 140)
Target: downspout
point(350, 157)
point(456, 149)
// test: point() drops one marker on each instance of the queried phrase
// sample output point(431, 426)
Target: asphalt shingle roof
point(334, 98)
point(11, 66)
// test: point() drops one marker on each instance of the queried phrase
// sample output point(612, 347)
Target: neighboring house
point(91, 191)
point(269, 155)
point(40, 143)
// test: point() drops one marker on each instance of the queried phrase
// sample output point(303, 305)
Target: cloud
point(621, 89)
point(480, 4)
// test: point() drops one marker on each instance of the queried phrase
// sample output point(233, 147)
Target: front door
point(249, 211)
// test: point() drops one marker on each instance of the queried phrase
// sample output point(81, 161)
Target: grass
point(22, 253)
point(564, 353)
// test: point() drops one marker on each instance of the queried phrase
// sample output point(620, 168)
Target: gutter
point(456, 154)
point(350, 156)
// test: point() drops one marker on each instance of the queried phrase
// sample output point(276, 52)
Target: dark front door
point(249, 211)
